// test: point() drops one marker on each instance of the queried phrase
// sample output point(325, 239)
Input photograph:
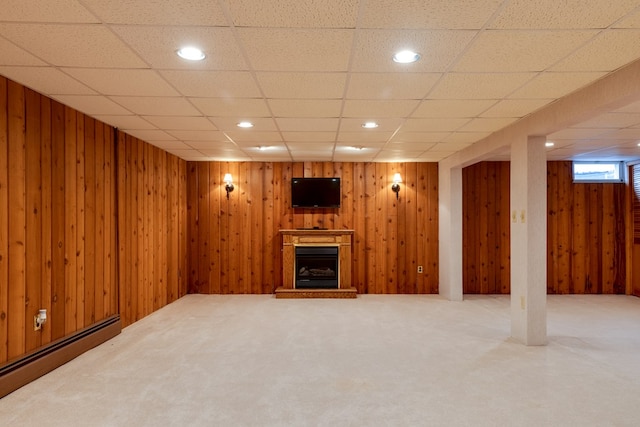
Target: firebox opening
point(316, 267)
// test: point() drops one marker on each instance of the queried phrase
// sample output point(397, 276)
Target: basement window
point(598, 172)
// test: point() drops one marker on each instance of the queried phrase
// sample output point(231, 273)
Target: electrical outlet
point(419, 269)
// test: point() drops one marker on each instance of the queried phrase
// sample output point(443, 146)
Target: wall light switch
point(514, 216)
point(522, 302)
point(522, 216)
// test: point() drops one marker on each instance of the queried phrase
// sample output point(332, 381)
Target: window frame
point(620, 165)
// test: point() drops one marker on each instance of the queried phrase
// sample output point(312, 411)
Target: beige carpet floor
point(378, 360)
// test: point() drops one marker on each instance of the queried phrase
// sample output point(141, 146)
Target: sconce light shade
point(397, 179)
point(229, 183)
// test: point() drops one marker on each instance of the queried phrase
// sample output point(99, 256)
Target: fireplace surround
point(328, 242)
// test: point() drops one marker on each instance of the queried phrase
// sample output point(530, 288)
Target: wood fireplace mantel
point(316, 237)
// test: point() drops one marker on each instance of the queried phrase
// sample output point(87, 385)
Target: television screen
point(315, 192)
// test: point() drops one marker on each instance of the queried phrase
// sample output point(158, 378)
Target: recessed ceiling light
point(355, 148)
point(245, 125)
point(370, 125)
point(638, 144)
point(549, 144)
point(191, 53)
point(406, 57)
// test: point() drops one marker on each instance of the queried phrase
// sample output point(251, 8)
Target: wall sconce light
point(229, 183)
point(397, 179)
point(39, 319)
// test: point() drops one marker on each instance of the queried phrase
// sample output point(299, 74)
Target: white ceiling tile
point(551, 85)
point(213, 84)
point(224, 154)
point(188, 155)
point(465, 137)
point(608, 51)
point(302, 85)
point(46, 80)
point(374, 109)
point(158, 12)
point(611, 120)
point(73, 45)
point(293, 13)
point(432, 156)
point(305, 107)
point(575, 133)
point(260, 124)
point(410, 146)
point(390, 85)
point(198, 135)
point(433, 125)
point(347, 156)
point(125, 122)
point(157, 106)
point(515, 107)
point(447, 147)
point(420, 137)
point(150, 135)
point(259, 137)
point(134, 82)
point(92, 105)
point(158, 46)
point(513, 51)
point(320, 147)
point(561, 14)
point(14, 55)
point(307, 124)
point(398, 156)
point(478, 85)
point(416, 14)
point(181, 122)
point(232, 107)
point(67, 11)
point(280, 49)
point(171, 145)
point(211, 144)
point(452, 108)
point(374, 49)
point(487, 124)
point(620, 134)
point(384, 125)
point(634, 107)
point(364, 136)
point(631, 21)
point(309, 136)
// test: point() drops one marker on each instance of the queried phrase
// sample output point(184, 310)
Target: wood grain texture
point(60, 240)
point(392, 237)
point(586, 249)
point(150, 185)
point(486, 228)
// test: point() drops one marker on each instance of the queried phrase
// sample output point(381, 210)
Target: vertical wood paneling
point(33, 225)
point(17, 221)
point(486, 228)
point(151, 187)
point(585, 232)
point(4, 221)
point(391, 236)
point(59, 229)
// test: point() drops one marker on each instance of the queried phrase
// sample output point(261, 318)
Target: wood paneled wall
point(235, 245)
point(586, 231)
point(57, 222)
point(60, 189)
point(486, 229)
point(152, 228)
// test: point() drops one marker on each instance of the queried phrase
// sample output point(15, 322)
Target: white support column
point(529, 241)
point(450, 232)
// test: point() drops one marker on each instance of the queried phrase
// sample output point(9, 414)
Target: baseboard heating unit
point(22, 371)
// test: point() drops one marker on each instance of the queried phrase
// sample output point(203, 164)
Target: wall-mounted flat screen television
point(315, 192)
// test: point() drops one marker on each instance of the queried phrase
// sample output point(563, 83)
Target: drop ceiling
point(309, 73)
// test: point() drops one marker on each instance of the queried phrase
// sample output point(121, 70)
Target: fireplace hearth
point(316, 267)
